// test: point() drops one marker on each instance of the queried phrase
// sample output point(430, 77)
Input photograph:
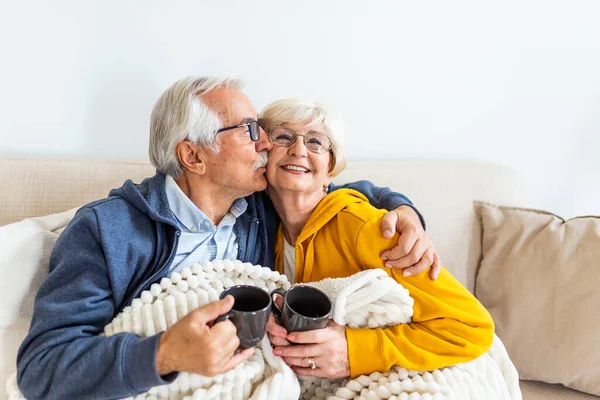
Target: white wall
point(513, 82)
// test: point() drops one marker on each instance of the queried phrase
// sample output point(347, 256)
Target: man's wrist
point(163, 366)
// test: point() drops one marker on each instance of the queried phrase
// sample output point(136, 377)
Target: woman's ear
point(331, 162)
point(191, 157)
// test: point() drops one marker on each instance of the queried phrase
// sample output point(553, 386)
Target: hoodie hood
point(149, 197)
point(327, 209)
point(252, 228)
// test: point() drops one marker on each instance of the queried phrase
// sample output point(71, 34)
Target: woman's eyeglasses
point(314, 141)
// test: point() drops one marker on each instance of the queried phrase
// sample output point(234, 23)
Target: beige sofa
point(442, 190)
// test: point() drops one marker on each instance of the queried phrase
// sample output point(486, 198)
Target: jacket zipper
point(159, 272)
point(251, 239)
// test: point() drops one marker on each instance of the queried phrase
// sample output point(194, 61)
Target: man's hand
point(414, 252)
point(192, 345)
point(327, 347)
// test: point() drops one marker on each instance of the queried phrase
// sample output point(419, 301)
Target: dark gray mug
point(249, 314)
point(305, 308)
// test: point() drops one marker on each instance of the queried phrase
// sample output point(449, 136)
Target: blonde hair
point(294, 111)
point(180, 114)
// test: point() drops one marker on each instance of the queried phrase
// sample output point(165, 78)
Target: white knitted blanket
point(367, 299)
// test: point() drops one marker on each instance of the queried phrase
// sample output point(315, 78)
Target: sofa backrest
point(33, 186)
point(442, 190)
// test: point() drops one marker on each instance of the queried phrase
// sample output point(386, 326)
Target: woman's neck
point(294, 209)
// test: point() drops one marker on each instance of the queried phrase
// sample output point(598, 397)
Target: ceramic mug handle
point(223, 317)
point(274, 307)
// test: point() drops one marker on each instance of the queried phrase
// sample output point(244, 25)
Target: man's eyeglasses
point(252, 127)
point(314, 141)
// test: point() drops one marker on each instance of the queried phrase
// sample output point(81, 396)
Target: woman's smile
point(295, 169)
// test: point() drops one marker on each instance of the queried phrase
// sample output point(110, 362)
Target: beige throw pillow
point(25, 248)
point(540, 280)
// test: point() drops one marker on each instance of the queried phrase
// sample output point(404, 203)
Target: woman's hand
point(327, 348)
point(277, 333)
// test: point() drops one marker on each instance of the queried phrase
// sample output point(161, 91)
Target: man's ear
point(191, 157)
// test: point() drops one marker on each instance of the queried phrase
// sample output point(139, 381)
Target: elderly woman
point(448, 326)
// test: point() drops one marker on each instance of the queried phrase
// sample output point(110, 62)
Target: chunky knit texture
point(367, 299)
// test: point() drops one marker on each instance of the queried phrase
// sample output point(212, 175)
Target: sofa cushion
point(533, 390)
point(25, 248)
point(539, 278)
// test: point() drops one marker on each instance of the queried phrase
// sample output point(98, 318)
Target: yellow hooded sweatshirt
point(449, 324)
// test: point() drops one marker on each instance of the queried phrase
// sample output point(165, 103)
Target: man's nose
point(263, 143)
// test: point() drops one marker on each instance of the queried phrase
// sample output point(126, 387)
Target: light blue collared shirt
point(200, 239)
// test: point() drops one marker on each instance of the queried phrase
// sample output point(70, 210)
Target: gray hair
point(294, 111)
point(180, 114)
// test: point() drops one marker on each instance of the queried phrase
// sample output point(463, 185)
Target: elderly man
point(210, 153)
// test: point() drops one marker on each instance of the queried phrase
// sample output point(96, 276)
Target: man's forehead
point(230, 104)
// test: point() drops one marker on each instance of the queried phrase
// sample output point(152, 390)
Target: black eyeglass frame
point(253, 127)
